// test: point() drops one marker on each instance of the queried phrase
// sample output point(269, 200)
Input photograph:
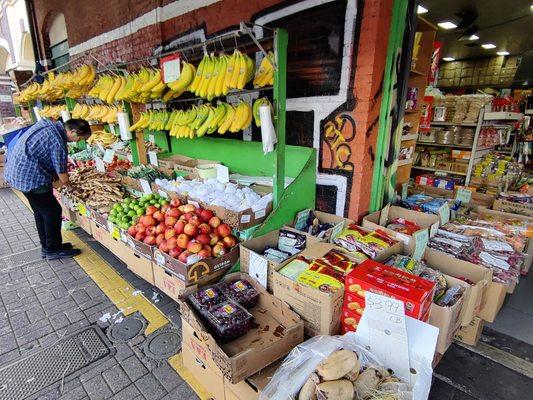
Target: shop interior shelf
point(439, 170)
point(453, 146)
point(411, 136)
point(415, 72)
point(405, 162)
point(502, 115)
point(437, 123)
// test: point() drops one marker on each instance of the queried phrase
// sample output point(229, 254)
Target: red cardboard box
point(415, 292)
point(349, 321)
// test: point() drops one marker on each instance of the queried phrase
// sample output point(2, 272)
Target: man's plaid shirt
point(37, 157)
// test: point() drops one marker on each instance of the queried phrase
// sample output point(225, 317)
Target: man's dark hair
point(80, 126)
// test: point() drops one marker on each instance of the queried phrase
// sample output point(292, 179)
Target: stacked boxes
point(415, 292)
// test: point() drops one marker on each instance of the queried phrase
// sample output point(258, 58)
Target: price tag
point(245, 218)
point(170, 68)
point(260, 213)
point(109, 155)
point(444, 213)
point(301, 219)
point(434, 229)
point(222, 173)
point(82, 209)
point(131, 243)
point(384, 215)
point(112, 129)
point(336, 230)
point(151, 138)
point(100, 147)
point(387, 332)
point(421, 239)
point(162, 194)
point(463, 195)
point(258, 268)
point(159, 259)
point(115, 233)
point(152, 157)
point(123, 236)
point(404, 189)
point(147, 189)
point(130, 157)
point(100, 166)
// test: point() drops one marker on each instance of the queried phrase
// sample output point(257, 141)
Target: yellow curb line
point(120, 292)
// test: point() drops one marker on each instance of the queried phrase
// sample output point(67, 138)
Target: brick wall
point(367, 55)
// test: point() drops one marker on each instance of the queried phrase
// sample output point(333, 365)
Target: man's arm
point(63, 178)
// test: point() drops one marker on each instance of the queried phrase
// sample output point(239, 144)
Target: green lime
point(137, 207)
point(132, 213)
point(153, 201)
point(125, 218)
point(150, 196)
point(120, 208)
point(127, 200)
point(120, 214)
point(163, 202)
point(140, 212)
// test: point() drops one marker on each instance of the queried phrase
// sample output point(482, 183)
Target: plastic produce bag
point(268, 133)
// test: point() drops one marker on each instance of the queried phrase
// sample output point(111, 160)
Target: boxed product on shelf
point(255, 262)
point(180, 164)
point(513, 207)
point(444, 183)
point(275, 331)
point(319, 309)
point(460, 166)
point(461, 154)
point(388, 218)
point(425, 180)
point(349, 320)
point(320, 224)
point(374, 277)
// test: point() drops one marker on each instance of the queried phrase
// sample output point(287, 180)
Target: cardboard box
point(140, 248)
point(182, 165)
point(167, 281)
point(396, 248)
point(470, 333)
point(380, 219)
point(99, 218)
point(277, 330)
point(116, 246)
point(250, 388)
point(512, 207)
point(319, 310)
point(199, 272)
point(338, 223)
point(84, 223)
point(494, 298)
point(415, 292)
point(461, 167)
point(197, 359)
point(253, 262)
point(136, 262)
point(447, 319)
point(451, 266)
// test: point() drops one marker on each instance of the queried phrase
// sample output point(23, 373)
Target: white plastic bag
point(268, 133)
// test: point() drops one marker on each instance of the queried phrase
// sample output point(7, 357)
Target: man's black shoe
point(64, 246)
point(66, 253)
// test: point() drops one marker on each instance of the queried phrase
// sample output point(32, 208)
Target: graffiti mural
point(338, 134)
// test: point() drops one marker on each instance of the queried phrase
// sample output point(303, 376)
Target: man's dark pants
point(47, 214)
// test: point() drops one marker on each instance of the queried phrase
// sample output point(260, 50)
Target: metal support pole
point(280, 95)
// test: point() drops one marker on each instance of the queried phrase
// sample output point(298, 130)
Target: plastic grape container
point(228, 320)
point(241, 291)
point(207, 298)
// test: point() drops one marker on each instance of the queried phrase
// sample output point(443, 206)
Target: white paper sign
point(336, 230)
point(260, 213)
point(222, 173)
point(159, 258)
point(151, 138)
point(245, 218)
point(130, 157)
point(145, 186)
point(434, 229)
point(194, 203)
point(384, 215)
point(108, 155)
point(258, 268)
point(171, 70)
point(152, 158)
point(386, 322)
point(112, 129)
point(163, 194)
point(100, 166)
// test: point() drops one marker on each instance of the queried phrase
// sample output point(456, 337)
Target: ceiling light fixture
point(421, 9)
point(447, 25)
point(488, 46)
point(503, 53)
point(448, 59)
point(473, 37)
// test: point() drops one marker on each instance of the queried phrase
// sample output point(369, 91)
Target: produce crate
point(200, 272)
point(339, 223)
point(140, 248)
point(276, 331)
point(513, 207)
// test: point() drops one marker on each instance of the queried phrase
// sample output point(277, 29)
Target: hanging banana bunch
point(265, 74)
point(255, 109)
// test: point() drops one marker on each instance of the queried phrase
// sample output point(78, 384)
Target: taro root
point(337, 365)
point(335, 390)
point(308, 390)
point(366, 383)
point(353, 374)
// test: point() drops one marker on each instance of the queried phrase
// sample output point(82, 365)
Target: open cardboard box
point(474, 296)
point(182, 165)
point(320, 311)
point(213, 267)
point(339, 223)
point(470, 333)
point(513, 207)
point(250, 388)
point(254, 263)
point(380, 219)
point(277, 330)
point(447, 319)
point(485, 212)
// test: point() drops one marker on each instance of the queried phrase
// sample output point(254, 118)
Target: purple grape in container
point(207, 298)
point(241, 291)
point(228, 321)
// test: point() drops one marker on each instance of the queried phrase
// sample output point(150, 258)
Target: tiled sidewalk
point(44, 301)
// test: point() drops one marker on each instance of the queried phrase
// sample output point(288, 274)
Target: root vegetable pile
point(97, 190)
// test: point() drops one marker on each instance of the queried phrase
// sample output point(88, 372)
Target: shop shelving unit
point(418, 77)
